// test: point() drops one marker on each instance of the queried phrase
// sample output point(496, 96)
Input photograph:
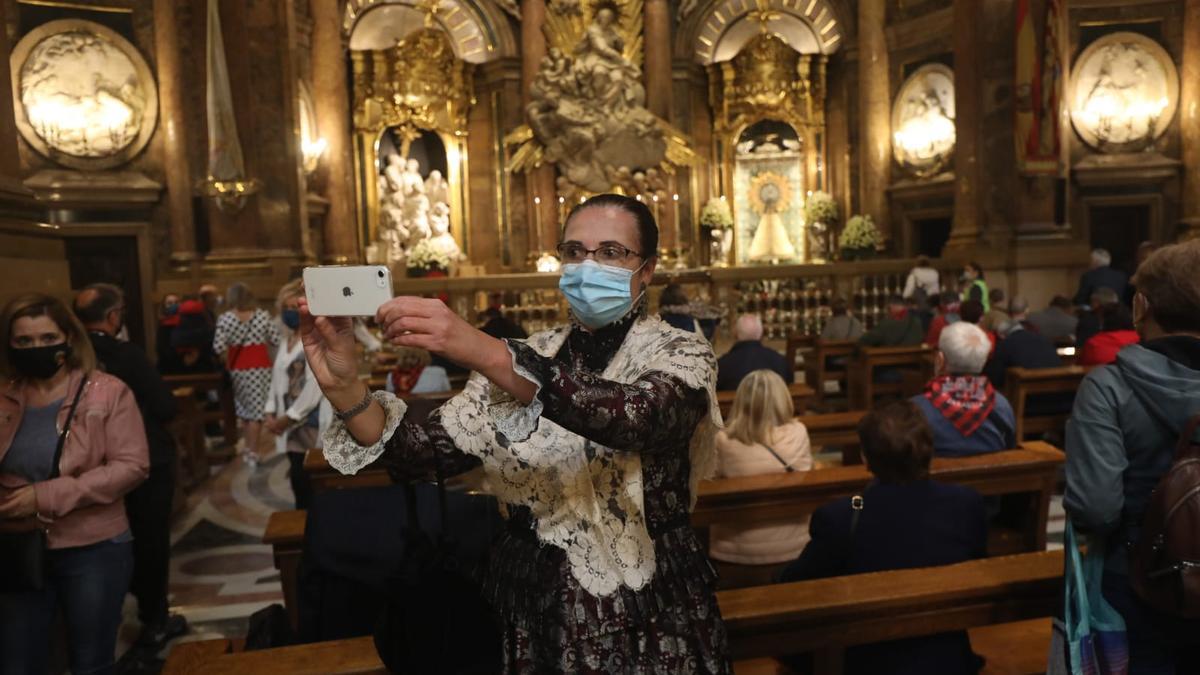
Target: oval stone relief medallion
point(1123, 94)
point(923, 132)
point(83, 95)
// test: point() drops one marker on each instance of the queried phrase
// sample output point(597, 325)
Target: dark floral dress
point(550, 623)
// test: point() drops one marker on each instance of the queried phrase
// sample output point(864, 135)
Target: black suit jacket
point(920, 524)
point(1026, 349)
point(127, 362)
point(746, 357)
point(1101, 277)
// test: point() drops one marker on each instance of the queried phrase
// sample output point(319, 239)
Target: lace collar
point(593, 349)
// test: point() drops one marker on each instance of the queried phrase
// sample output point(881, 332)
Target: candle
point(678, 243)
point(537, 223)
point(562, 211)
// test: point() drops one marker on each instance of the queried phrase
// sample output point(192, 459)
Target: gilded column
point(1189, 117)
point(172, 119)
point(968, 196)
point(657, 71)
point(331, 96)
point(875, 156)
point(540, 181)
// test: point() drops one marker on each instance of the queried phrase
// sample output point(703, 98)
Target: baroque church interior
point(800, 157)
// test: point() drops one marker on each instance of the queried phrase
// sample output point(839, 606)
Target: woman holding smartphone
point(593, 434)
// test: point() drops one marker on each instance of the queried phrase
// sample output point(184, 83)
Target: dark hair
point(996, 295)
point(673, 296)
point(971, 311)
point(922, 261)
point(977, 267)
point(1115, 316)
point(105, 299)
point(1062, 302)
point(896, 442)
point(1169, 282)
point(647, 228)
point(839, 306)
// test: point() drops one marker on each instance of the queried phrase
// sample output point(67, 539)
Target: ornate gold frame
point(768, 80)
point(418, 85)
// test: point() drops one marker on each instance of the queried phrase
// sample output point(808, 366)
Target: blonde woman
point(762, 437)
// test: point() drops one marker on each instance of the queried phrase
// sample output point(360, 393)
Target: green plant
point(820, 207)
point(716, 214)
point(860, 233)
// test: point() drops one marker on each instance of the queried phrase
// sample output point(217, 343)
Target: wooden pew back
point(1021, 383)
point(211, 382)
point(818, 370)
point(916, 364)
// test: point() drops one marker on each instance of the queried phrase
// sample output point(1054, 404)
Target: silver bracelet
point(358, 409)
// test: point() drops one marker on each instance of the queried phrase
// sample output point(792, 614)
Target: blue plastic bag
point(1095, 632)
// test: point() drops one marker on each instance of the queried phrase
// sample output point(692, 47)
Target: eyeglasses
point(571, 252)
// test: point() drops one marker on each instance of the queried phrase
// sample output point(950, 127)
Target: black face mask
point(39, 363)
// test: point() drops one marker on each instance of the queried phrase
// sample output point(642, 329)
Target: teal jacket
point(1122, 434)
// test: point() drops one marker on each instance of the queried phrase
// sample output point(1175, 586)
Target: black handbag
point(434, 617)
point(23, 554)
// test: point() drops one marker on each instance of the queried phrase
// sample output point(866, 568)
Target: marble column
point(1189, 118)
point(968, 196)
point(539, 183)
point(173, 127)
point(875, 155)
point(657, 68)
point(331, 96)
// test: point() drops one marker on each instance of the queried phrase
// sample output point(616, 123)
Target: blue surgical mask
point(598, 294)
point(291, 318)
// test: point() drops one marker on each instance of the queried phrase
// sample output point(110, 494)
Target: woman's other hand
point(20, 503)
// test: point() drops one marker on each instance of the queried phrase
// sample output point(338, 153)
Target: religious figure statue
point(770, 196)
point(437, 189)
point(441, 239)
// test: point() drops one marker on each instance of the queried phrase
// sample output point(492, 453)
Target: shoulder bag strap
point(786, 467)
point(62, 438)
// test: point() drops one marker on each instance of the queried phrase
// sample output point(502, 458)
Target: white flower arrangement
point(425, 256)
point(716, 214)
point(820, 207)
point(860, 233)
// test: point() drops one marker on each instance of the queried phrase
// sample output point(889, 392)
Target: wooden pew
point(916, 362)
point(1021, 383)
point(838, 429)
point(755, 500)
point(818, 371)
point(830, 429)
point(799, 344)
point(801, 393)
point(823, 616)
point(188, 430)
point(211, 382)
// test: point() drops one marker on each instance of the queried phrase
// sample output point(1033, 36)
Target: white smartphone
point(347, 290)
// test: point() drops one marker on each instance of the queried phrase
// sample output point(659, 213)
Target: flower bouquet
point(427, 260)
point(859, 239)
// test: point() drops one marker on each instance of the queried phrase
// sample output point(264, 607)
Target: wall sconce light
point(926, 136)
point(230, 195)
point(312, 149)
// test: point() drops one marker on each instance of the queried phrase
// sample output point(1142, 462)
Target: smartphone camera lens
point(380, 273)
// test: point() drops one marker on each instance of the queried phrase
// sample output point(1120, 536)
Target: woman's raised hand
point(427, 323)
point(330, 347)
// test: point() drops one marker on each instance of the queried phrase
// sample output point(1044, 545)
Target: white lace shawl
point(593, 509)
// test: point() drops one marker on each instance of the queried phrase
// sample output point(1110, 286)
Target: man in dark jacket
point(1019, 347)
point(749, 354)
point(1089, 320)
point(900, 328)
point(101, 308)
point(1101, 275)
point(1121, 439)
point(906, 521)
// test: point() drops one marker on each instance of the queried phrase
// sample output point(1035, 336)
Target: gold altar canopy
point(413, 96)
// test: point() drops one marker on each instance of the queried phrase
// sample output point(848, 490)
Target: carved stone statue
point(437, 189)
point(441, 239)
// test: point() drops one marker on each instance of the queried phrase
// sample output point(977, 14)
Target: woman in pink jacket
point(762, 437)
point(45, 361)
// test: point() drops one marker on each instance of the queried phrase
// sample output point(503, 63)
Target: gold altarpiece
point(769, 81)
point(415, 87)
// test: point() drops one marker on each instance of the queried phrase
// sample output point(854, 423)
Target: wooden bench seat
point(818, 370)
point(754, 500)
point(823, 616)
point(915, 364)
point(203, 382)
point(1022, 383)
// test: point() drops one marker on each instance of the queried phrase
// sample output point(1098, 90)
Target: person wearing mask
point(1100, 274)
point(965, 412)
point(1089, 318)
point(922, 284)
point(975, 288)
point(994, 317)
point(292, 407)
point(900, 328)
point(245, 338)
point(56, 403)
point(748, 354)
point(762, 436)
point(1057, 322)
point(949, 306)
point(101, 309)
point(1121, 439)
point(1116, 333)
point(615, 393)
point(906, 521)
point(842, 325)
